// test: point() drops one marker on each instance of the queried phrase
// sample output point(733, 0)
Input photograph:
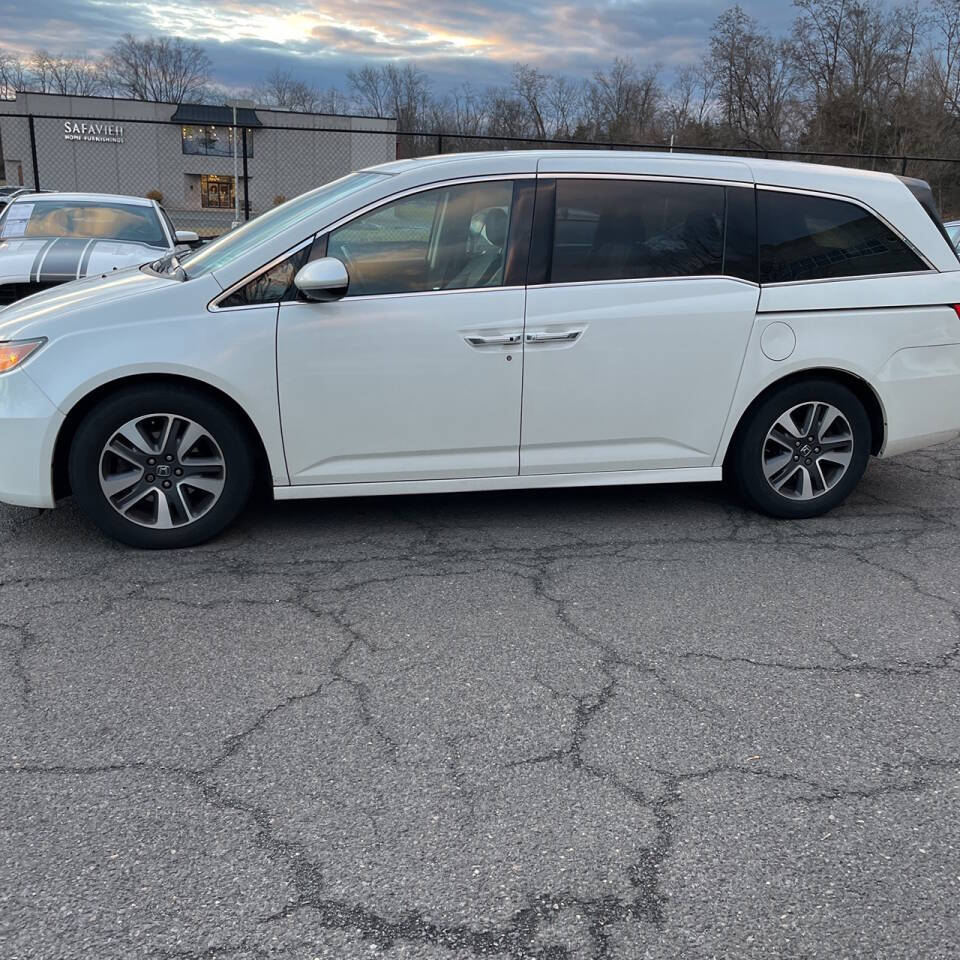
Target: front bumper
point(29, 424)
point(920, 389)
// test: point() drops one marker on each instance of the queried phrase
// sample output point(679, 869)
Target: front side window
point(83, 219)
point(624, 229)
point(449, 238)
point(804, 237)
point(213, 141)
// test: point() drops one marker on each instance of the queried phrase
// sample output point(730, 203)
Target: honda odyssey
point(497, 321)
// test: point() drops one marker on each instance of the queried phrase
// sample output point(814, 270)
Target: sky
point(454, 41)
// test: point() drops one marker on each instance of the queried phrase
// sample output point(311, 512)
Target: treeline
point(849, 76)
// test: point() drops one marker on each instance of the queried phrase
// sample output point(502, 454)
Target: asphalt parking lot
point(637, 723)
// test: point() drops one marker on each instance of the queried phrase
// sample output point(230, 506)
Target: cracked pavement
point(567, 725)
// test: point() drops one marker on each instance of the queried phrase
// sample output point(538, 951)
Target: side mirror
point(189, 237)
point(322, 280)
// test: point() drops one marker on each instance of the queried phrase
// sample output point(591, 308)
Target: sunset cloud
point(452, 40)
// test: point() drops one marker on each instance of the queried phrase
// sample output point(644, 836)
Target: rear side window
point(804, 237)
point(622, 229)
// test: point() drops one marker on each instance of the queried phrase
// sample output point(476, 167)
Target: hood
point(47, 312)
point(57, 259)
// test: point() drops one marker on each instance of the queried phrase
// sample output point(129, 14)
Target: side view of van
point(497, 321)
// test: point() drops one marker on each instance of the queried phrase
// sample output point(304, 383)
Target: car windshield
point(237, 242)
point(91, 219)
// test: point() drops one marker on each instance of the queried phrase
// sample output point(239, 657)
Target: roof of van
point(751, 169)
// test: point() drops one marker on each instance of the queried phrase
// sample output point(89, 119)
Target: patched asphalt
point(617, 723)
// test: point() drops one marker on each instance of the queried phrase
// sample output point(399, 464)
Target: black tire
point(747, 455)
point(101, 424)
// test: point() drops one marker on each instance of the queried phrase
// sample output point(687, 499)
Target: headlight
point(14, 352)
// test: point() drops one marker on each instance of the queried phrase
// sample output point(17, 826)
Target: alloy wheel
point(162, 471)
point(807, 450)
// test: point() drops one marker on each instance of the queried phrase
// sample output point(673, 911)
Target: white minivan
point(491, 322)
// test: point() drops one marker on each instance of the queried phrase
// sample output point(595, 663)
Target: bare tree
point(506, 115)
point(370, 89)
point(333, 100)
point(399, 92)
point(689, 105)
point(13, 74)
point(564, 101)
point(466, 112)
point(943, 61)
point(753, 76)
point(622, 103)
point(409, 92)
point(72, 75)
point(285, 91)
point(166, 69)
point(530, 89)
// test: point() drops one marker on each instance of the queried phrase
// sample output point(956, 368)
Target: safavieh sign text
point(92, 132)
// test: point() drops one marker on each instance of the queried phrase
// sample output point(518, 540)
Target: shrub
point(154, 195)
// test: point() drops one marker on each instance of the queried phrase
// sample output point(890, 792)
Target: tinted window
point(271, 286)
point(445, 239)
point(77, 218)
point(620, 229)
point(815, 238)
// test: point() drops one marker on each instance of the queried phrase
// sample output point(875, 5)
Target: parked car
point(49, 238)
point(646, 319)
point(953, 232)
point(7, 193)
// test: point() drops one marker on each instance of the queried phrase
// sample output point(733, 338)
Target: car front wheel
point(802, 450)
point(161, 466)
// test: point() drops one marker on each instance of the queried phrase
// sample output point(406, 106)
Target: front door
point(636, 336)
point(416, 374)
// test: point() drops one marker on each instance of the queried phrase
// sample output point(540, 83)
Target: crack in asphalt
point(429, 555)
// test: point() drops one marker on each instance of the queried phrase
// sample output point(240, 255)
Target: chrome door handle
point(505, 338)
point(544, 337)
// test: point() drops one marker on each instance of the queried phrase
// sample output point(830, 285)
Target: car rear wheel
point(802, 450)
point(161, 466)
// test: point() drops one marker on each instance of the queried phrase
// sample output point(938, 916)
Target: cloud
point(454, 40)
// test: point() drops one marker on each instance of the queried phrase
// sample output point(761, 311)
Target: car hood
point(40, 260)
point(59, 308)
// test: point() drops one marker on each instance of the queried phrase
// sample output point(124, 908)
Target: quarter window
point(804, 237)
point(272, 286)
point(622, 229)
point(450, 238)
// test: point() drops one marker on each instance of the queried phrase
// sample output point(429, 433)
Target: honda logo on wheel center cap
point(163, 470)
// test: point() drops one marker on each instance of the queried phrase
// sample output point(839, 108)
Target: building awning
point(203, 114)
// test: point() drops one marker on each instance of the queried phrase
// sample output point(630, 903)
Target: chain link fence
point(206, 178)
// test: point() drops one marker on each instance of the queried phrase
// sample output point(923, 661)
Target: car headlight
point(14, 352)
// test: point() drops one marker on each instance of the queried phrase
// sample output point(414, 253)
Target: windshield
point(83, 219)
point(237, 242)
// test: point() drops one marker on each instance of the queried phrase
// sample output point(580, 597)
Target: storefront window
point(213, 141)
point(217, 191)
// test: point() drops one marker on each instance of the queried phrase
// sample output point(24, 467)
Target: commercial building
point(183, 153)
